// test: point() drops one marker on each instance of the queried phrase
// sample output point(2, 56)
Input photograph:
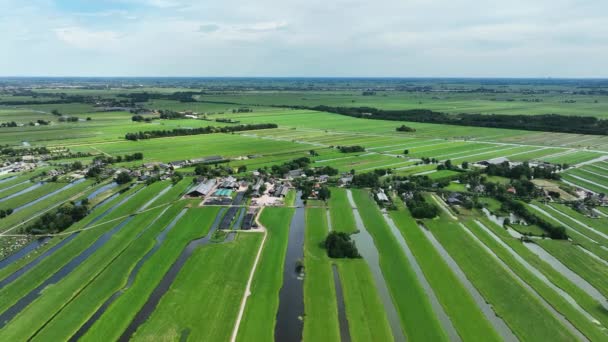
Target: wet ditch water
point(26, 300)
point(162, 192)
point(21, 192)
point(443, 317)
point(4, 180)
point(23, 251)
point(42, 198)
point(536, 272)
point(367, 249)
point(14, 186)
point(499, 325)
point(342, 319)
point(53, 249)
point(290, 324)
point(132, 275)
point(569, 274)
point(146, 310)
point(527, 287)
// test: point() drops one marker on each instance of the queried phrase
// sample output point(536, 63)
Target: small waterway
point(3, 180)
point(499, 325)
point(134, 272)
point(501, 220)
point(570, 229)
point(14, 185)
point(569, 274)
point(290, 315)
point(21, 192)
point(26, 300)
point(527, 287)
point(342, 319)
point(239, 220)
point(102, 189)
point(106, 200)
point(34, 262)
point(582, 224)
point(537, 273)
point(42, 198)
point(367, 249)
point(162, 192)
point(146, 310)
point(593, 255)
point(24, 251)
point(53, 249)
point(443, 317)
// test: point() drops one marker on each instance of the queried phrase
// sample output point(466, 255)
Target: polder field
point(462, 233)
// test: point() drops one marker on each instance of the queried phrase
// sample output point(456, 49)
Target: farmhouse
point(203, 189)
point(294, 174)
point(381, 196)
point(346, 180)
point(179, 163)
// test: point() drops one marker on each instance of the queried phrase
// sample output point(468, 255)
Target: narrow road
point(247, 292)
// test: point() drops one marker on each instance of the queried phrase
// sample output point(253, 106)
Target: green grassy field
point(342, 219)
point(260, 313)
point(528, 320)
point(582, 323)
point(417, 318)
point(204, 303)
point(456, 301)
point(320, 304)
point(194, 224)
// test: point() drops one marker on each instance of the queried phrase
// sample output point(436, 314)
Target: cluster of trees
point(119, 159)
point(419, 207)
point(71, 119)
point(169, 114)
point(243, 110)
point(340, 245)
point(94, 171)
point(15, 152)
point(447, 165)
point(546, 122)
point(404, 128)
point(524, 170)
point(298, 163)
point(227, 120)
point(141, 118)
point(350, 149)
point(367, 180)
point(195, 131)
point(122, 178)
point(181, 96)
point(58, 220)
point(5, 212)
point(31, 123)
point(217, 171)
point(519, 209)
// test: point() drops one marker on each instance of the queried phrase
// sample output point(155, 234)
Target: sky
point(308, 38)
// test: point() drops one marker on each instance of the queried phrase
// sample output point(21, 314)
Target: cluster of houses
point(17, 167)
point(187, 162)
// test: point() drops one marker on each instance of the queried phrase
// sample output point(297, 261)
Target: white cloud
point(86, 39)
point(314, 37)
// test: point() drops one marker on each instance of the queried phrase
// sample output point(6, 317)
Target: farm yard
point(239, 212)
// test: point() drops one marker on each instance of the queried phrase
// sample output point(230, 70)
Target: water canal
point(290, 315)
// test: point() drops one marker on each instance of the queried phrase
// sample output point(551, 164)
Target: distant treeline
point(351, 149)
point(196, 131)
point(544, 122)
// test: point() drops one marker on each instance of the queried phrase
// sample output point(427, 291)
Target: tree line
point(195, 131)
point(544, 122)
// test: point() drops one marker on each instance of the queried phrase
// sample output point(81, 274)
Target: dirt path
point(247, 292)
